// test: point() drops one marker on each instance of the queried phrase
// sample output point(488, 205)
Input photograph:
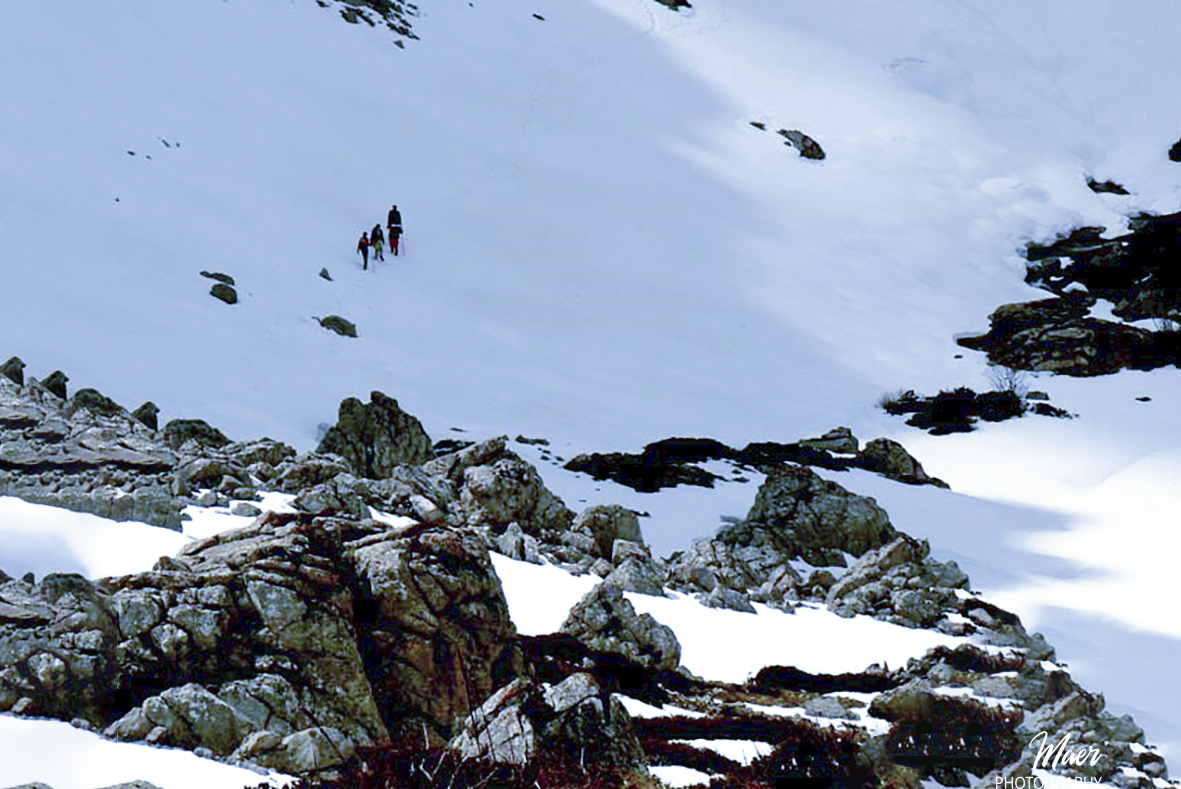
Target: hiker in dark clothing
point(377, 239)
point(394, 226)
point(363, 248)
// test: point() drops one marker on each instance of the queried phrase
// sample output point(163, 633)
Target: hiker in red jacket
point(363, 248)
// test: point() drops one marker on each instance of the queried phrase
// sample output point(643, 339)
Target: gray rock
point(575, 719)
point(839, 439)
point(246, 509)
point(375, 438)
point(606, 523)
point(638, 574)
point(605, 620)
point(180, 431)
point(828, 707)
point(724, 597)
point(325, 275)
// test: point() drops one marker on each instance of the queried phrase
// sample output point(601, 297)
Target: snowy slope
point(603, 251)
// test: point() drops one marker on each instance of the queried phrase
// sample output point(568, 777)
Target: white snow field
point(602, 250)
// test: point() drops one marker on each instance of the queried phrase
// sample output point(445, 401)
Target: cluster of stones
point(671, 462)
point(396, 15)
point(1135, 272)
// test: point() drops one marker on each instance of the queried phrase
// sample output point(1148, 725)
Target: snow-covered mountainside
point(603, 249)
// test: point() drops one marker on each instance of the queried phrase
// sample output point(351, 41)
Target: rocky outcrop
point(900, 583)
point(606, 621)
point(890, 459)
point(1135, 271)
point(85, 454)
point(671, 461)
point(576, 719)
point(377, 437)
point(1056, 335)
point(288, 643)
point(489, 486)
point(797, 514)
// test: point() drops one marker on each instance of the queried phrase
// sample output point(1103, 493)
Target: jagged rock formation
point(606, 621)
point(576, 718)
point(288, 643)
point(375, 439)
point(85, 454)
point(796, 515)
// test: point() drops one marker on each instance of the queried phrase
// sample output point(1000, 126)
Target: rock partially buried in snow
point(343, 327)
point(223, 292)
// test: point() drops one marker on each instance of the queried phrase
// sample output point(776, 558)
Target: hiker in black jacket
point(377, 239)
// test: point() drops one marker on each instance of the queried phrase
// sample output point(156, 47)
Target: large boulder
point(605, 620)
point(574, 719)
point(290, 642)
point(377, 437)
point(490, 487)
point(796, 515)
point(606, 523)
point(433, 623)
point(899, 583)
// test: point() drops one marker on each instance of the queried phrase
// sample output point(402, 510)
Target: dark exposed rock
point(325, 275)
point(96, 402)
point(223, 292)
point(147, 414)
point(341, 326)
point(1175, 152)
point(645, 473)
point(225, 279)
point(377, 437)
point(1105, 187)
point(56, 383)
point(1055, 335)
point(675, 5)
point(14, 370)
point(808, 148)
point(180, 431)
point(1136, 272)
point(605, 620)
point(890, 459)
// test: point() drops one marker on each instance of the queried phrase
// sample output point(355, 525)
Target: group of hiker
point(375, 239)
